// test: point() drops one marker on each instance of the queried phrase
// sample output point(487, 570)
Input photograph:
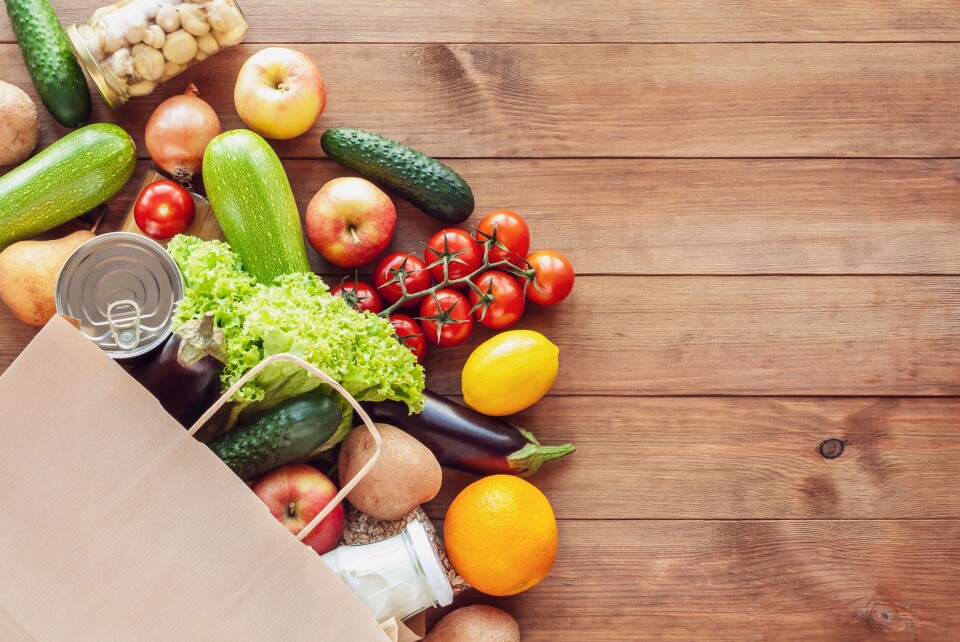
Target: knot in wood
point(831, 448)
point(886, 618)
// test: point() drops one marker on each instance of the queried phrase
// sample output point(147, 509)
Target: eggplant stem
point(531, 457)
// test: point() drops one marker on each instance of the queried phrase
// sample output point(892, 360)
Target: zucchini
point(253, 202)
point(431, 186)
point(292, 431)
point(75, 174)
point(53, 69)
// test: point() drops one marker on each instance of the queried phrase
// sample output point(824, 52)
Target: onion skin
point(178, 133)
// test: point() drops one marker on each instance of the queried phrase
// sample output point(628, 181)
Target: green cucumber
point(75, 174)
point(431, 186)
point(292, 431)
point(46, 50)
point(253, 202)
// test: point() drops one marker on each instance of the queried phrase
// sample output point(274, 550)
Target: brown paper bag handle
point(317, 372)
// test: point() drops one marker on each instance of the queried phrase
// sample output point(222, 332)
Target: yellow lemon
point(510, 372)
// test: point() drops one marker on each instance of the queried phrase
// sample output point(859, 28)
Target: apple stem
point(292, 509)
point(353, 233)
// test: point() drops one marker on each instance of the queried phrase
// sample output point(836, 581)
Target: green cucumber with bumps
point(253, 202)
point(74, 175)
point(292, 431)
point(50, 61)
point(431, 186)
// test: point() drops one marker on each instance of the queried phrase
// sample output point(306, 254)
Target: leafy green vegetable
point(295, 314)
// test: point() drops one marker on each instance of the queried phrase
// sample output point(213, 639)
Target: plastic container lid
point(123, 288)
point(430, 564)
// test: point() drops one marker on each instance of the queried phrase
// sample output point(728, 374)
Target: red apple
point(280, 93)
point(295, 494)
point(350, 221)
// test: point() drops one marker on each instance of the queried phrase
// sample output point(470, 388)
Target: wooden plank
point(790, 581)
point(745, 336)
point(751, 458)
point(626, 336)
point(596, 21)
point(698, 216)
point(737, 100)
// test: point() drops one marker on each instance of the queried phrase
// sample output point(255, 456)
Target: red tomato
point(466, 256)
point(503, 302)
point(445, 318)
point(554, 277)
point(409, 333)
point(510, 230)
point(164, 209)
point(359, 296)
point(387, 276)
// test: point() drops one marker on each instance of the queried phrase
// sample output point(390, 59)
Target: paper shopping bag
point(115, 524)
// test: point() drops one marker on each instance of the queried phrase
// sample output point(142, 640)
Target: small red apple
point(280, 93)
point(295, 494)
point(350, 221)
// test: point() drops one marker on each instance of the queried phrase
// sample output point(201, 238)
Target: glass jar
point(396, 577)
point(131, 46)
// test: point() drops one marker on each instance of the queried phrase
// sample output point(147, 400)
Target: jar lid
point(430, 563)
point(123, 288)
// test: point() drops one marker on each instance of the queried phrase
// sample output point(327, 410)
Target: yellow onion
point(178, 133)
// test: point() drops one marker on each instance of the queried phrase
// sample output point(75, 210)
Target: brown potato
point(19, 125)
point(477, 623)
point(406, 475)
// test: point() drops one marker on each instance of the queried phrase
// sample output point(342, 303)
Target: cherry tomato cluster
point(493, 265)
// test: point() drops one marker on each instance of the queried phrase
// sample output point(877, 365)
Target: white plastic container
point(396, 577)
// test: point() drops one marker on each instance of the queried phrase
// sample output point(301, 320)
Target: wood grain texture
point(794, 581)
point(707, 216)
point(738, 100)
point(722, 458)
point(595, 21)
point(736, 336)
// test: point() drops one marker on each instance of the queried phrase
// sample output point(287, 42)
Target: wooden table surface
point(762, 201)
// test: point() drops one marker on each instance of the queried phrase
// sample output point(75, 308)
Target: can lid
point(430, 563)
point(123, 288)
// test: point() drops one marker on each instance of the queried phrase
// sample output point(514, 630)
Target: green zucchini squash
point(75, 174)
point(431, 186)
point(50, 61)
point(253, 202)
point(292, 431)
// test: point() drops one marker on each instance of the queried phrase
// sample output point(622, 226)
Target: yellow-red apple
point(280, 93)
point(295, 494)
point(350, 221)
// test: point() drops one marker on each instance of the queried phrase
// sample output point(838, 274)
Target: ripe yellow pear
point(28, 275)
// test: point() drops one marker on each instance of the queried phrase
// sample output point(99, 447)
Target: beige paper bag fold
point(115, 524)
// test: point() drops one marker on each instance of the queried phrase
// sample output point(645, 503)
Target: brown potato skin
point(477, 623)
point(19, 125)
point(406, 475)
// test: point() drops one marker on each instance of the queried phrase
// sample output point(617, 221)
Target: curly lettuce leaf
point(295, 314)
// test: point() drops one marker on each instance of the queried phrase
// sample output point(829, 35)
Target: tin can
point(123, 288)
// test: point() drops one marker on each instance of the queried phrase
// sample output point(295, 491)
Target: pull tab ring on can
point(126, 334)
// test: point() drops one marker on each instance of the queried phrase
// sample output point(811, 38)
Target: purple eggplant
point(185, 378)
point(467, 440)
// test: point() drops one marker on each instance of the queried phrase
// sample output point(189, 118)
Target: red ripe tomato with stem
point(410, 334)
point(445, 318)
point(500, 302)
point(397, 267)
point(359, 295)
point(456, 249)
point(164, 209)
point(554, 277)
point(509, 233)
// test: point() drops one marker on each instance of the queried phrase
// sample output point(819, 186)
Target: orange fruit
point(501, 535)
